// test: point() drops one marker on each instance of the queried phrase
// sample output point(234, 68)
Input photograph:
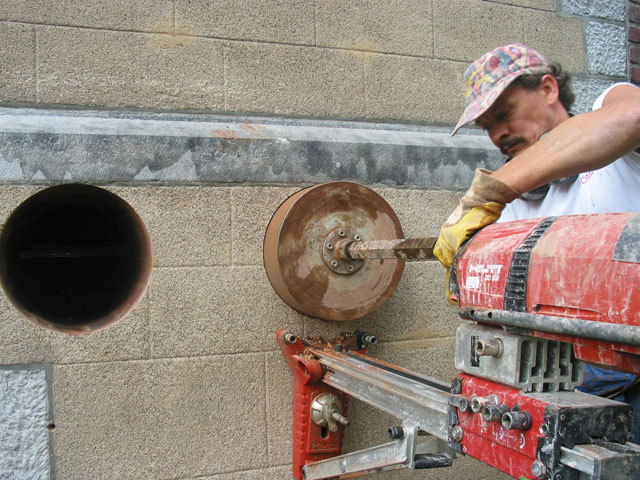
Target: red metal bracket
point(311, 443)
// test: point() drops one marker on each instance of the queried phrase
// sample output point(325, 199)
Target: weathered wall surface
point(191, 384)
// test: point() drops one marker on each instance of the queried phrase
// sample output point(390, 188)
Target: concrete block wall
point(192, 385)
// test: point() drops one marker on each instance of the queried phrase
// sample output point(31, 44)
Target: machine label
point(486, 273)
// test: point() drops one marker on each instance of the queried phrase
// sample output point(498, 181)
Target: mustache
point(504, 146)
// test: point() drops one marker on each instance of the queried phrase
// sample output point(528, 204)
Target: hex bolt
point(341, 233)
point(489, 348)
point(544, 429)
point(538, 469)
point(396, 432)
point(478, 403)
point(457, 433)
point(494, 413)
point(357, 237)
point(350, 268)
point(517, 420)
point(334, 263)
point(329, 246)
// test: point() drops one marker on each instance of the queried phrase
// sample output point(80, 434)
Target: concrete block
point(431, 357)
point(189, 226)
point(279, 381)
point(93, 67)
point(586, 90)
point(17, 63)
point(24, 417)
point(273, 473)
point(421, 212)
point(610, 10)
point(606, 49)
point(287, 21)
point(417, 310)
point(252, 209)
point(466, 29)
point(549, 5)
point(141, 15)
point(21, 341)
point(414, 89)
point(215, 310)
point(560, 39)
point(171, 418)
point(282, 79)
point(403, 28)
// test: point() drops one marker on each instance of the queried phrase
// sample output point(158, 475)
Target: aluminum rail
point(398, 392)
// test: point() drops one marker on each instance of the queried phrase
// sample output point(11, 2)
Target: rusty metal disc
point(293, 251)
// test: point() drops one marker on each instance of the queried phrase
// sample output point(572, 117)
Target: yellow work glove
point(480, 206)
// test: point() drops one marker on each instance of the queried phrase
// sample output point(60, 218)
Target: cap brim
point(483, 103)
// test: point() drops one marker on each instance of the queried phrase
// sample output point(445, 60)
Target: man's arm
point(582, 143)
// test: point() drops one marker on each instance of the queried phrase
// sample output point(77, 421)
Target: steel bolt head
point(329, 246)
point(350, 268)
point(334, 263)
point(544, 429)
point(356, 238)
point(457, 433)
point(341, 233)
point(538, 469)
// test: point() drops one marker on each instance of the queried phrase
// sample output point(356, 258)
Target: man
point(558, 164)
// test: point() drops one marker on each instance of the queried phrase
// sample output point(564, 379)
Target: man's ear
point(549, 87)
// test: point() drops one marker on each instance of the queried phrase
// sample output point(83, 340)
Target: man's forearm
point(582, 143)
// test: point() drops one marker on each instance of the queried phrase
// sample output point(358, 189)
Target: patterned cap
point(492, 73)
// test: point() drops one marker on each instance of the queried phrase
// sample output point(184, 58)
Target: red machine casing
point(579, 266)
point(514, 451)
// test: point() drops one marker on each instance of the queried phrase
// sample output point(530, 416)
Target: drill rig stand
point(563, 435)
point(537, 298)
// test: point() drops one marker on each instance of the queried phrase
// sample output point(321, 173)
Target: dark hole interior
point(71, 254)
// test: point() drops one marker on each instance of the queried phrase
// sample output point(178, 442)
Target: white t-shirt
point(611, 189)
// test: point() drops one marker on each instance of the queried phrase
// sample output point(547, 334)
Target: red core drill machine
point(537, 298)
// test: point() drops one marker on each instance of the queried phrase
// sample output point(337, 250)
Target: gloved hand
point(480, 206)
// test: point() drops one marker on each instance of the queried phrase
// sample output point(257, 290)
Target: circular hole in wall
point(74, 258)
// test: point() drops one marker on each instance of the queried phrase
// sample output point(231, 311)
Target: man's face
point(517, 119)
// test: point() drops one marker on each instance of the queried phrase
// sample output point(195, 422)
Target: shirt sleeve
point(600, 100)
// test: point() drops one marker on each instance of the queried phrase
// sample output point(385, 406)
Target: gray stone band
point(111, 147)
